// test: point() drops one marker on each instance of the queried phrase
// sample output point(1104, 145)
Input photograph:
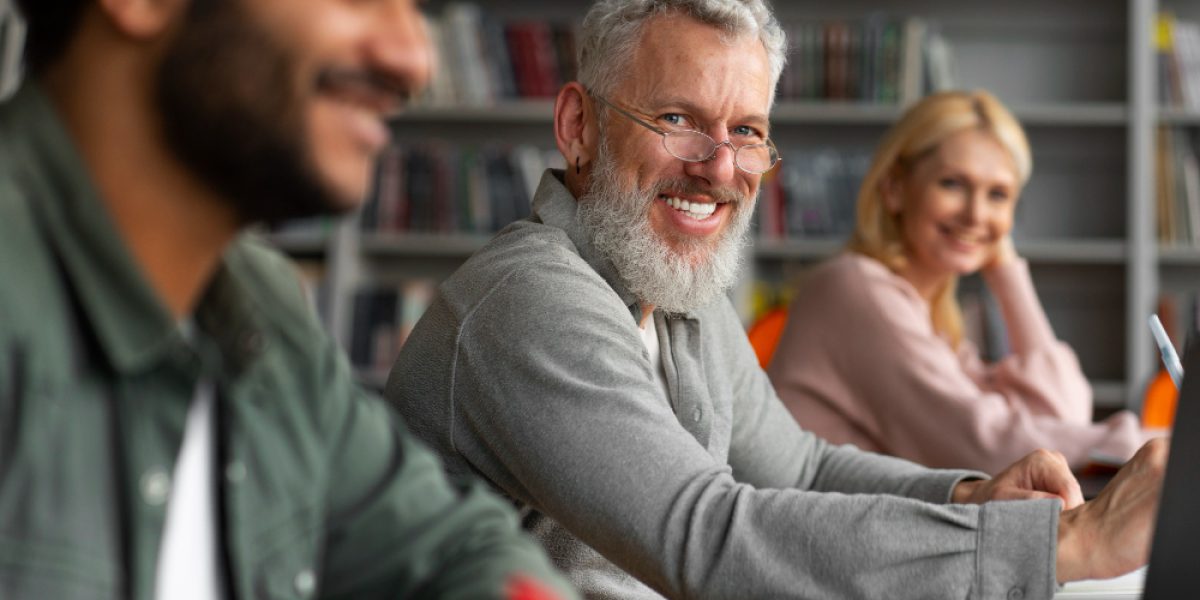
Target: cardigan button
point(305, 583)
point(156, 486)
point(1016, 594)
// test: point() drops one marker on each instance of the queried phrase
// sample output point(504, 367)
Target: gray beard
point(676, 281)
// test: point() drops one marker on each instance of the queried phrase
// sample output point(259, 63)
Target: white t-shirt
point(187, 557)
point(650, 340)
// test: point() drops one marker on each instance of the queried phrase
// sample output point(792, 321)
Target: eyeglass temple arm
point(628, 114)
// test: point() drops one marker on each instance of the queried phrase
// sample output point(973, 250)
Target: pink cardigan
point(859, 363)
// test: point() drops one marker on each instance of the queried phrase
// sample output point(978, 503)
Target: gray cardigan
point(528, 370)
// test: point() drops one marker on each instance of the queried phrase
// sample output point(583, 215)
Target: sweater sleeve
point(1041, 372)
point(860, 360)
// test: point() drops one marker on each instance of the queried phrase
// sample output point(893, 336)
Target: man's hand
point(1041, 474)
point(1110, 535)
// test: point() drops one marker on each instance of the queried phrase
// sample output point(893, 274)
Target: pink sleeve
point(1042, 372)
point(860, 346)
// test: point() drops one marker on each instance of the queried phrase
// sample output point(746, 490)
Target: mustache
point(372, 88)
point(692, 187)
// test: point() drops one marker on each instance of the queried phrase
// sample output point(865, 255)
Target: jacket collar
point(554, 205)
point(133, 327)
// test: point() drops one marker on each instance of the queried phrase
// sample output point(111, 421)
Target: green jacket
point(320, 491)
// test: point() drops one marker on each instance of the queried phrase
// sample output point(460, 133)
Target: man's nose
point(719, 170)
point(399, 44)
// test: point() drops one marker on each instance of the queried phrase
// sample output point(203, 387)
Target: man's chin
point(347, 187)
point(303, 202)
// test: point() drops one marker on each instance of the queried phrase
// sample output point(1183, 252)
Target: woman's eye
point(949, 183)
point(999, 195)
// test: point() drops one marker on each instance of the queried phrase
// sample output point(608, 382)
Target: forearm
point(1025, 319)
point(848, 470)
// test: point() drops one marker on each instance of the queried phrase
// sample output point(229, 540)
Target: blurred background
point(1108, 90)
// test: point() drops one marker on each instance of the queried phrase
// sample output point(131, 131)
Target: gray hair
point(612, 28)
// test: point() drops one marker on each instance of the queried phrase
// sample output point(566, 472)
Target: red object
point(1158, 406)
point(764, 334)
point(527, 588)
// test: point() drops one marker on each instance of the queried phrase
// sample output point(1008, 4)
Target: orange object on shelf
point(764, 334)
point(1158, 405)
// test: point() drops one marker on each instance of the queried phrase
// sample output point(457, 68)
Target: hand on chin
point(1001, 253)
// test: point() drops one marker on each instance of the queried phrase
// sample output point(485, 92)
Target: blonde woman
point(874, 353)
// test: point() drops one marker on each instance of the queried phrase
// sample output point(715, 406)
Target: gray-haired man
point(587, 365)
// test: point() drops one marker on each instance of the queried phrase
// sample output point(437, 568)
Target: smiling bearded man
point(586, 364)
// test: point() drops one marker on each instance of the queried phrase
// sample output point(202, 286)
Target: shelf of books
point(472, 149)
point(1102, 114)
point(1080, 252)
point(443, 245)
point(1179, 116)
point(383, 316)
point(1177, 191)
point(790, 112)
point(491, 60)
point(528, 111)
point(1179, 255)
point(1177, 167)
point(1074, 251)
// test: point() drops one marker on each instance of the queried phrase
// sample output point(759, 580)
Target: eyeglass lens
point(694, 146)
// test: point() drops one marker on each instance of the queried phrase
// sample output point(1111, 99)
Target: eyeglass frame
point(715, 144)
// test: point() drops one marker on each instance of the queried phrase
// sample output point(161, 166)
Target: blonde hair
point(878, 233)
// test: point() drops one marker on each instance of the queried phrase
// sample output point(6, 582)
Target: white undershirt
point(187, 559)
point(650, 340)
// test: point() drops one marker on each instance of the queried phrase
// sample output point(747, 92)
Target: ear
point(892, 190)
point(575, 129)
point(142, 19)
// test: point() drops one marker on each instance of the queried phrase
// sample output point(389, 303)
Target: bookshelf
point(1080, 74)
point(1177, 261)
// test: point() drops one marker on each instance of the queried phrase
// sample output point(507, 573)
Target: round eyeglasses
point(696, 146)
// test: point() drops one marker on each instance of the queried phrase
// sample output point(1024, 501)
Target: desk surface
point(1125, 587)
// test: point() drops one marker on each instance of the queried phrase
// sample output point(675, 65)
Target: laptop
point(1174, 570)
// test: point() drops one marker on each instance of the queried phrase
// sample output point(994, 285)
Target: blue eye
point(674, 119)
point(746, 131)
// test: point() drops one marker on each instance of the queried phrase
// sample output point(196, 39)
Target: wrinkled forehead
point(976, 152)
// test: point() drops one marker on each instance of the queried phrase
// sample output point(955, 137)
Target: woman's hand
point(1002, 253)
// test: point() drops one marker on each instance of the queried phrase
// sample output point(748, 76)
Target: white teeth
point(695, 210)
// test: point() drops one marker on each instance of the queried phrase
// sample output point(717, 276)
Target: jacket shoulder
point(528, 265)
point(272, 283)
point(27, 266)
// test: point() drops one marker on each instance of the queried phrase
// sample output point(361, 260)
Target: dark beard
point(229, 99)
